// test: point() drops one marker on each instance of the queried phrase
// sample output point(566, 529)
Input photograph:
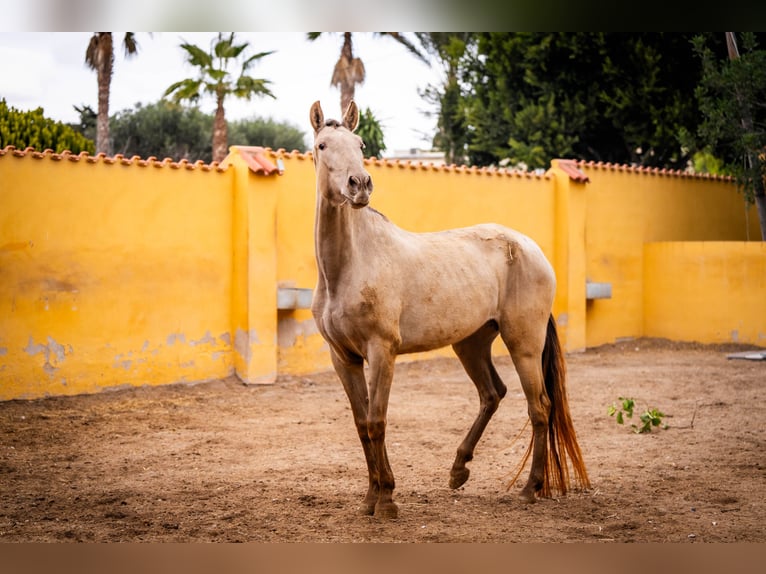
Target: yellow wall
point(301, 348)
point(126, 272)
point(705, 291)
point(627, 208)
point(111, 274)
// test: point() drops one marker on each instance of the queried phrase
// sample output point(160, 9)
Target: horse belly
point(453, 287)
point(444, 317)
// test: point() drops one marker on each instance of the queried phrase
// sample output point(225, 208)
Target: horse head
point(338, 158)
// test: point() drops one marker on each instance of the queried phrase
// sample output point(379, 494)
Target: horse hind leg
point(526, 351)
point(540, 362)
point(530, 374)
point(475, 354)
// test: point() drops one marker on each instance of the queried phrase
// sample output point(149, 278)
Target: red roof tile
point(569, 167)
point(256, 160)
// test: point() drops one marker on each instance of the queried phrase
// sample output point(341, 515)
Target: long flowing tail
point(562, 440)
point(563, 449)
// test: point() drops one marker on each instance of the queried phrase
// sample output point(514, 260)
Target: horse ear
point(351, 117)
point(316, 116)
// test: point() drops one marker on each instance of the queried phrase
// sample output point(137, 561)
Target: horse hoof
point(528, 496)
point(386, 510)
point(458, 477)
point(367, 509)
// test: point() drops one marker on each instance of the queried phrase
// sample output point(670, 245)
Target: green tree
point(446, 100)
point(614, 97)
point(731, 94)
point(216, 78)
point(267, 133)
point(87, 124)
point(32, 129)
point(371, 132)
point(349, 70)
point(163, 129)
point(99, 56)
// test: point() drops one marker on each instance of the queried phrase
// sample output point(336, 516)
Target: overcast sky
point(47, 69)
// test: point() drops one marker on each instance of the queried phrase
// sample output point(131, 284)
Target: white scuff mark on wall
point(208, 339)
point(174, 338)
point(289, 330)
point(54, 353)
point(243, 341)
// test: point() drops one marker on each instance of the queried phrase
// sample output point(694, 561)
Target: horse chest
point(350, 318)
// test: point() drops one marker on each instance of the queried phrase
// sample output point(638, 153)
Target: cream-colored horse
point(383, 291)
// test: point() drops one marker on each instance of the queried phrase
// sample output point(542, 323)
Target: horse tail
point(563, 449)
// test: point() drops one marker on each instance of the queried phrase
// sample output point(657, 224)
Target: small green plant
point(651, 417)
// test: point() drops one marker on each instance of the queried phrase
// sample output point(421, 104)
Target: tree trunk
point(760, 206)
point(348, 87)
point(104, 78)
point(220, 133)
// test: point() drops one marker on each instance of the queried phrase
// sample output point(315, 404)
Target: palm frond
point(249, 62)
point(226, 48)
point(129, 44)
point(346, 72)
point(404, 41)
point(99, 48)
point(196, 56)
point(91, 52)
point(184, 90)
point(247, 87)
point(217, 75)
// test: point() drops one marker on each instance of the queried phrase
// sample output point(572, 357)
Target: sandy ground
point(221, 461)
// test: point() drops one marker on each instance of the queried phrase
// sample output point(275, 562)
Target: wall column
point(569, 260)
point(254, 280)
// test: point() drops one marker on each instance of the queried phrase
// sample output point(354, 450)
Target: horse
point(383, 291)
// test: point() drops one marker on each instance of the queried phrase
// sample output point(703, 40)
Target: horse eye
point(322, 145)
point(361, 145)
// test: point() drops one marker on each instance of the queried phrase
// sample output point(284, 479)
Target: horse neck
point(340, 236)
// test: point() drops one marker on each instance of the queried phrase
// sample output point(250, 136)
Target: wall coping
point(607, 166)
point(118, 159)
point(420, 165)
point(575, 165)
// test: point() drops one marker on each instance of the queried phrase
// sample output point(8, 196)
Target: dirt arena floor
point(223, 462)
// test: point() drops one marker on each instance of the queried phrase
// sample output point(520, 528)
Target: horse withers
point(383, 291)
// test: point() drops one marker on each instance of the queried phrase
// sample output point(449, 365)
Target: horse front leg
point(381, 360)
point(351, 374)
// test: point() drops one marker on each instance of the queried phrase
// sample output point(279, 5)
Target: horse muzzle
point(358, 190)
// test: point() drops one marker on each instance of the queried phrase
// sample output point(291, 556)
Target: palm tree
point(100, 57)
point(215, 78)
point(349, 71)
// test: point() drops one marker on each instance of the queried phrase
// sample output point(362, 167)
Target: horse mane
point(378, 212)
point(332, 124)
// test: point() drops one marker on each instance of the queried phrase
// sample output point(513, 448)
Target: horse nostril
point(360, 182)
